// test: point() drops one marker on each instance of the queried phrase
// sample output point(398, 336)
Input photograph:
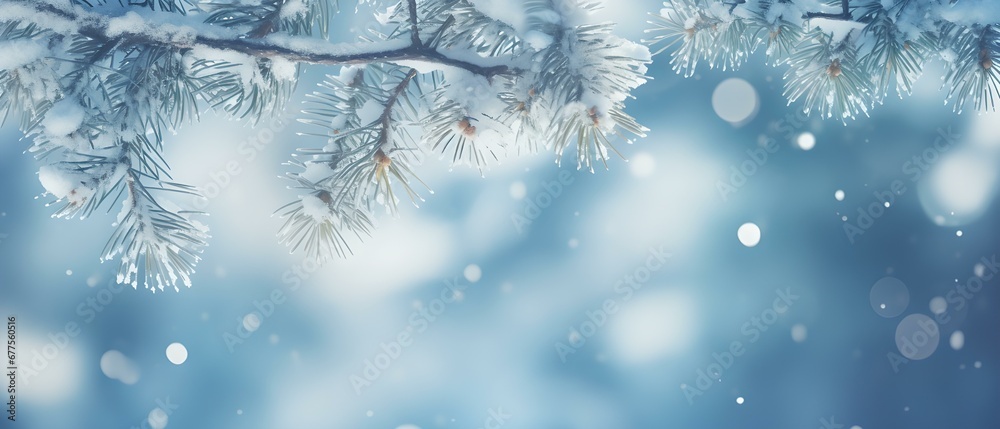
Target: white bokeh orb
point(806, 141)
point(177, 353)
point(518, 190)
point(959, 188)
point(473, 273)
point(957, 340)
point(735, 101)
point(749, 234)
point(642, 165)
point(799, 333)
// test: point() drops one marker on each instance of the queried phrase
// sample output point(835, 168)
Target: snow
point(969, 12)
point(56, 181)
point(370, 112)
point(12, 11)
point(314, 207)
point(510, 12)
point(282, 68)
point(294, 9)
point(18, 53)
point(838, 29)
point(538, 40)
point(130, 23)
point(64, 118)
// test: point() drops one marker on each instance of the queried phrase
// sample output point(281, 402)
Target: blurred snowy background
point(566, 319)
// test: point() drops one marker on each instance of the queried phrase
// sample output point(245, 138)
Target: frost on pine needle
point(844, 56)
point(100, 87)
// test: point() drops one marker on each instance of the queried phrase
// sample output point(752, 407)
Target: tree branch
point(98, 27)
point(386, 118)
point(414, 27)
point(732, 6)
point(845, 14)
point(267, 25)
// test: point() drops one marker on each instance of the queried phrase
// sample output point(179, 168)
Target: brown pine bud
point(834, 69)
point(594, 115)
point(382, 160)
point(467, 128)
point(985, 60)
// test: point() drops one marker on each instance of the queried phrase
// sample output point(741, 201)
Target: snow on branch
point(843, 56)
point(98, 87)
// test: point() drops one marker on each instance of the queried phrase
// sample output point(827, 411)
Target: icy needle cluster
point(843, 57)
point(100, 86)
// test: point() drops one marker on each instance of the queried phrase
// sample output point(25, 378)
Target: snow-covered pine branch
point(99, 85)
point(843, 56)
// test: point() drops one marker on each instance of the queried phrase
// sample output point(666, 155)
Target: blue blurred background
point(324, 355)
